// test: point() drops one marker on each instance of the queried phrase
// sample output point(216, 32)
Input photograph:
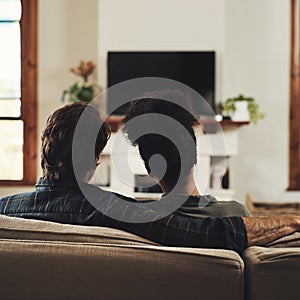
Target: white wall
point(257, 53)
point(251, 38)
point(160, 25)
point(67, 33)
point(252, 42)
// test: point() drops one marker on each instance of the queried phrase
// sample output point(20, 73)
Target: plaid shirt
point(66, 204)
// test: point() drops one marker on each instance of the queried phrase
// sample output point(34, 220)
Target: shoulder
point(7, 202)
point(229, 208)
point(18, 196)
point(236, 203)
point(95, 191)
point(239, 208)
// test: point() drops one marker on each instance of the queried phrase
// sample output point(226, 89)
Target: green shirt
point(208, 206)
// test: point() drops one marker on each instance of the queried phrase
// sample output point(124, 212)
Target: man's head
point(57, 141)
point(153, 144)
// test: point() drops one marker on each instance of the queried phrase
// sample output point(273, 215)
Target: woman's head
point(57, 140)
point(177, 106)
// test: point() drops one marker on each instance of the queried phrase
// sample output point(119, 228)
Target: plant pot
point(241, 112)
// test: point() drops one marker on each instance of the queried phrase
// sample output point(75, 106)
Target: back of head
point(153, 107)
point(57, 140)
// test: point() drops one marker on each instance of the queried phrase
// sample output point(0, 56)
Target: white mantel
point(120, 162)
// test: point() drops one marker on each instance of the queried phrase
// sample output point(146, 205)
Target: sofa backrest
point(16, 228)
point(45, 260)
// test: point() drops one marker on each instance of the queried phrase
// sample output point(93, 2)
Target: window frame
point(29, 34)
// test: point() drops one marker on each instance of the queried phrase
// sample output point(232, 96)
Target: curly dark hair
point(57, 140)
point(150, 144)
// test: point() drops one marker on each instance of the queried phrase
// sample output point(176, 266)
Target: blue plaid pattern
point(64, 203)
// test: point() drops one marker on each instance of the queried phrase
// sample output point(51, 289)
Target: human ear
point(97, 160)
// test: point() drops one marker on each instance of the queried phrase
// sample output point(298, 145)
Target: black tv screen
point(194, 69)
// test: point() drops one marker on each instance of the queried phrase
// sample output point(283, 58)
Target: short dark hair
point(57, 140)
point(151, 144)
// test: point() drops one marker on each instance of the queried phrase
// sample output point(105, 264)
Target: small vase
point(241, 112)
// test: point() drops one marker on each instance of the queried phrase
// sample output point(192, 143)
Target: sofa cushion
point(45, 260)
point(272, 273)
point(59, 270)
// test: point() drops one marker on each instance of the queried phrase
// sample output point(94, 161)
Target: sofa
point(47, 260)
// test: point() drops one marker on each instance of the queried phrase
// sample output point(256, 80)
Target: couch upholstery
point(292, 240)
point(272, 273)
point(45, 260)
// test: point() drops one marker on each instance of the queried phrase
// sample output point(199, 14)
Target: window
point(18, 91)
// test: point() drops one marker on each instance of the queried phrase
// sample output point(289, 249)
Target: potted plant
point(242, 108)
point(83, 91)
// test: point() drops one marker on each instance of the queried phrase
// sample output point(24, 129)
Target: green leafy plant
point(228, 107)
point(82, 92)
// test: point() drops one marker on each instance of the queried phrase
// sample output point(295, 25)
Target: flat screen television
point(195, 69)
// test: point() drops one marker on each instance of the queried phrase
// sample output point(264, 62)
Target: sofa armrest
point(272, 273)
point(292, 240)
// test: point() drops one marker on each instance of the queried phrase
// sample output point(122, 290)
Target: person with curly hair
point(178, 176)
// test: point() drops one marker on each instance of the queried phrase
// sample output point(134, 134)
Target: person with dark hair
point(157, 144)
point(178, 177)
point(58, 198)
point(57, 139)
